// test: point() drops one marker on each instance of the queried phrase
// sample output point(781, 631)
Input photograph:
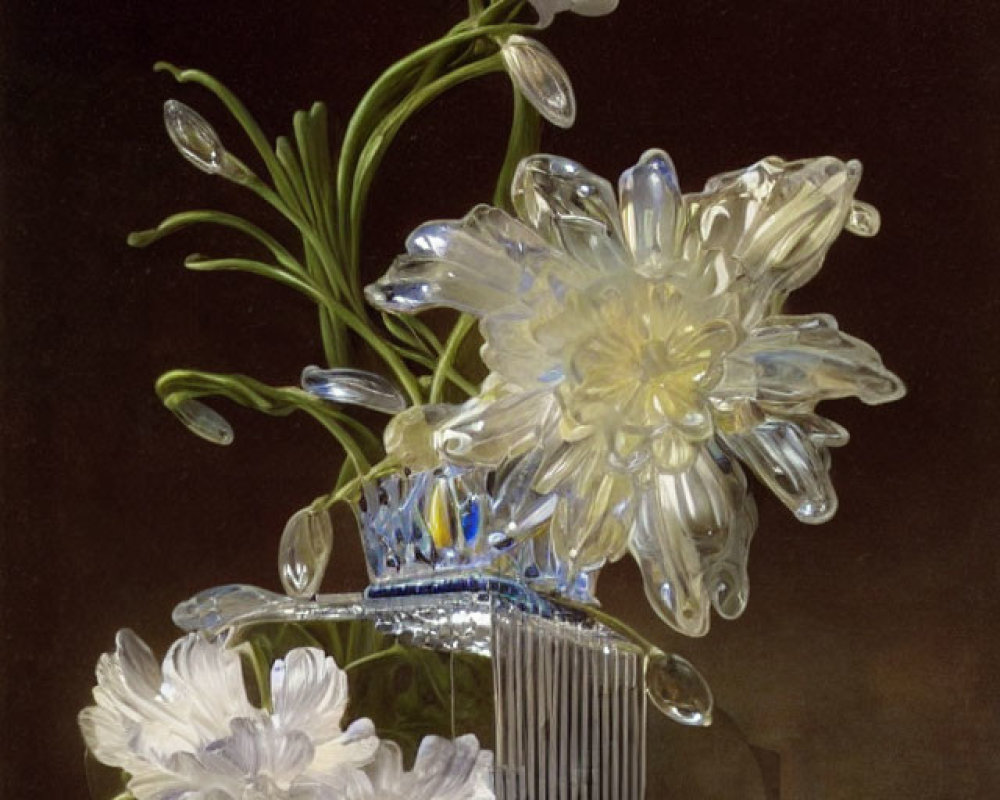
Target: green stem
point(525, 135)
point(177, 222)
point(242, 116)
point(395, 650)
point(387, 129)
point(462, 327)
point(385, 84)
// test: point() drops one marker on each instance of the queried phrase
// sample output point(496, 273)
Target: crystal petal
point(541, 79)
point(547, 189)
point(414, 283)
point(652, 209)
point(784, 458)
point(353, 387)
point(691, 540)
point(794, 362)
point(487, 434)
point(776, 218)
point(304, 551)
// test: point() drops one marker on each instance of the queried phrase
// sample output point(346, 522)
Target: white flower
point(187, 730)
point(442, 770)
point(637, 349)
point(547, 9)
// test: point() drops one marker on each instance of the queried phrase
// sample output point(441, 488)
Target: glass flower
point(638, 352)
point(442, 770)
point(187, 729)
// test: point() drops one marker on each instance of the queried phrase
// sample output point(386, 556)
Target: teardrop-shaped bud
point(304, 551)
point(203, 421)
point(541, 79)
point(863, 219)
point(354, 387)
point(198, 142)
point(678, 689)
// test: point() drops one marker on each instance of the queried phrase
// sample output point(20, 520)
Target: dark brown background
point(867, 661)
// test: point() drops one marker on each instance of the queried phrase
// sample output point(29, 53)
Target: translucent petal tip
point(353, 387)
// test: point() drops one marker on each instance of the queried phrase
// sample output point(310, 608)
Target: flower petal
point(792, 363)
point(449, 770)
point(690, 539)
point(783, 457)
point(652, 210)
point(488, 431)
point(540, 78)
point(562, 200)
point(203, 681)
point(777, 218)
point(308, 693)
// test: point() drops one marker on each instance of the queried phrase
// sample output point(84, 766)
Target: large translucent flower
point(636, 346)
point(187, 730)
point(442, 770)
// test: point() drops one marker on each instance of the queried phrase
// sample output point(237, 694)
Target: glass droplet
point(353, 387)
point(678, 689)
point(204, 421)
point(304, 551)
point(198, 142)
point(863, 219)
point(541, 79)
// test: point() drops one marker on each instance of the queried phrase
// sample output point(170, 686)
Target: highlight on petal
point(691, 538)
point(540, 78)
point(552, 192)
point(652, 211)
point(794, 362)
point(353, 387)
point(198, 142)
point(203, 421)
point(784, 457)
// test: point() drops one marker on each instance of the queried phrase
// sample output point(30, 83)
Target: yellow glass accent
point(437, 515)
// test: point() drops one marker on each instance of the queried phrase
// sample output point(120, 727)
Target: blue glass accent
point(470, 520)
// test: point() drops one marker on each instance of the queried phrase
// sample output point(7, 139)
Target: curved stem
point(383, 85)
point(243, 117)
point(387, 129)
point(176, 222)
point(462, 327)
